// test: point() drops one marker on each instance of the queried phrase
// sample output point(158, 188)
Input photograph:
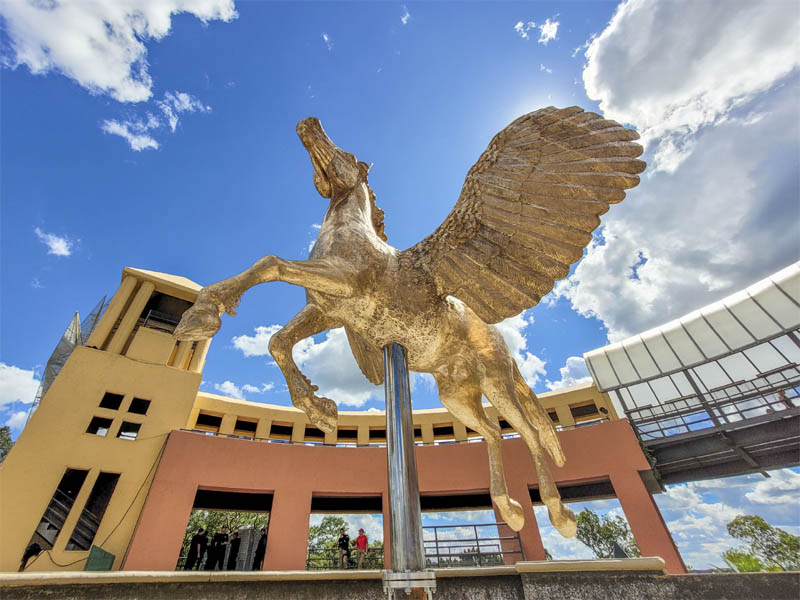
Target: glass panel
point(765, 357)
point(779, 306)
point(622, 366)
point(705, 337)
point(602, 369)
point(758, 323)
point(664, 357)
point(710, 376)
point(683, 345)
point(640, 357)
point(726, 326)
point(738, 367)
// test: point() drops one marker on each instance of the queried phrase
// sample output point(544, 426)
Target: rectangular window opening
point(92, 514)
point(443, 430)
point(281, 431)
point(139, 406)
point(129, 431)
point(347, 434)
point(417, 434)
point(208, 422)
point(505, 426)
point(583, 410)
point(99, 426)
point(245, 427)
point(58, 510)
point(111, 401)
point(377, 434)
point(313, 434)
point(553, 416)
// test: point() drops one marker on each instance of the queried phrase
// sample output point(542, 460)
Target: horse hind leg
point(322, 412)
point(499, 387)
point(539, 418)
point(463, 400)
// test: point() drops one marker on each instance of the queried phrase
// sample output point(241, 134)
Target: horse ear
point(364, 168)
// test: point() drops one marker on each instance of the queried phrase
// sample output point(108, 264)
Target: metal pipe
point(405, 514)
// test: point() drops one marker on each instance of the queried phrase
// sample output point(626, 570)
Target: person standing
point(361, 548)
point(344, 549)
point(216, 554)
point(261, 550)
point(234, 552)
point(197, 547)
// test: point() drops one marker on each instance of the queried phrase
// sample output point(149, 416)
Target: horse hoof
point(563, 519)
point(511, 511)
point(200, 322)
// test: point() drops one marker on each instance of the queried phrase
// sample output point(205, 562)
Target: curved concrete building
point(123, 446)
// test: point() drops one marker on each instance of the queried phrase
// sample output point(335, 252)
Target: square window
point(111, 401)
point(99, 426)
point(139, 406)
point(129, 431)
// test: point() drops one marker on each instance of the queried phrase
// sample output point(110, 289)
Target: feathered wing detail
point(368, 356)
point(528, 208)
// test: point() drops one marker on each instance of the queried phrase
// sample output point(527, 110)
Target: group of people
point(361, 544)
point(214, 550)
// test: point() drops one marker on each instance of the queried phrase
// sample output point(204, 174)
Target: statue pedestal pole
point(408, 574)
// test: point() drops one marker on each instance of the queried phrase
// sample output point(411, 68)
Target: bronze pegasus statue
point(527, 210)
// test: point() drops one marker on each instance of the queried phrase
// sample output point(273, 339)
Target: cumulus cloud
point(56, 244)
point(258, 344)
point(548, 31)
point(405, 16)
point(523, 28)
point(133, 131)
point(229, 388)
point(531, 366)
point(671, 67)
point(545, 69)
point(782, 488)
point(100, 45)
point(695, 229)
point(17, 419)
point(17, 385)
point(574, 372)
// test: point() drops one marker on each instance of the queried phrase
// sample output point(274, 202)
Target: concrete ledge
point(149, 577)
point(653, 564)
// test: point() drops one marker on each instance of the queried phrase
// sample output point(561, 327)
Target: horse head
point(336, 172)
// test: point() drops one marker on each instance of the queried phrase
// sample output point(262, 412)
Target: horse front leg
point(202, 320)
point(311, 320)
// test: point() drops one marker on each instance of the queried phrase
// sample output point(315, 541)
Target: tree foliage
point(768, 548)
point(5, 442)
point(214, 520)
point(600, 533)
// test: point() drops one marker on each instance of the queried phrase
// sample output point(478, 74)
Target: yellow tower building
point(80, 471)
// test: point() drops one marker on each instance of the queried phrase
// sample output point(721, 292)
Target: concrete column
point(298, 431)
point(199, 357)
point(427, 433)
point(459, 431)
point(529, 536)
point(228, 424)
point(645, 520)
point(287, 537)
point(182, 356)
point(387, 530)
point(262, 428)
point(131, 317)
point(565, 418)
point(363, 437)
point(330, 438)
point(110, 316)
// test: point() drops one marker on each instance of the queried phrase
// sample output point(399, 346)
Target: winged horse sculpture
point(527, 210)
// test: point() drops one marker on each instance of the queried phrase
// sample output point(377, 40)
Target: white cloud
point(545, 69)
point(134, 132)
point(404, 18)
point(695, 229)
point(783, 487)
point(100, 45)
point(530, 366)
point(258, 344)
point(671, 67)
point(17, 385)
point(523, 28)
point(548, 31)
point(17, 419)
point(56, 244)
point(176, 102)
point(328, 42)
point(574, 372)
point(229, 388)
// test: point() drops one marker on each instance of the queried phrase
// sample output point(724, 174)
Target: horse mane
point(377, 213)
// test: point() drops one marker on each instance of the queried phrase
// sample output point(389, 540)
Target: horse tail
point(539, 418)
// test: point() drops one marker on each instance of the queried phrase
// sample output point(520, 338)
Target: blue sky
point(170, 146)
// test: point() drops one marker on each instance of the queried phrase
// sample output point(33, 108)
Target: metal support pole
point(405, 516)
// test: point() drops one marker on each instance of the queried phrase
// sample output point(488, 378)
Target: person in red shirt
point(361, 547)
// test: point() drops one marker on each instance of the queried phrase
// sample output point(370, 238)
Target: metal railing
point(445, 546)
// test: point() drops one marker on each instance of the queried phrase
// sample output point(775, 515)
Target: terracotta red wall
point(295, 473)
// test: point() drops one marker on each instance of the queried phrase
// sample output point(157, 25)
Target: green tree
point(600, 533)
point(769, 547)
point(5, 442)
point(214, 520)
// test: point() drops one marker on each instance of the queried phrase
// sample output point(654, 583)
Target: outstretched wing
point(528, 208)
